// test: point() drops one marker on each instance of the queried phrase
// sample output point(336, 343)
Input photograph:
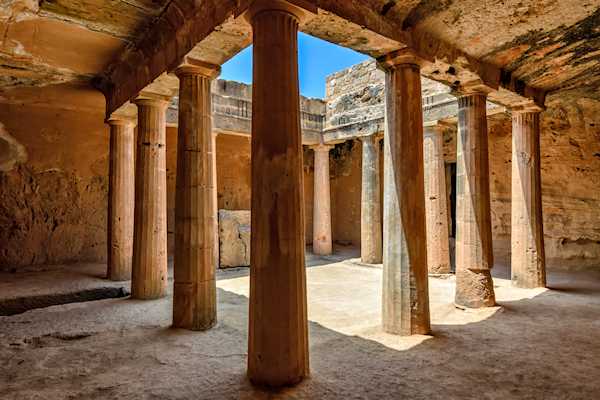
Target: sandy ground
point(539, 344)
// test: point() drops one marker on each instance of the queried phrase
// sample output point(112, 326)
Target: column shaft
point(121, 183)
point(405, 286)
point(194, 295)
point(474, 257)
point(371, 242)
point(278, 334)
point(149, 269)
point(322, 203)
point(436, 210)
point(527, 233)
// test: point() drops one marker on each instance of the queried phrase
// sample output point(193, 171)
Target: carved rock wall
point(53, 206)
point(570, 155)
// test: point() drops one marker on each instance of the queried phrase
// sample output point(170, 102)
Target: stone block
point(234, 238)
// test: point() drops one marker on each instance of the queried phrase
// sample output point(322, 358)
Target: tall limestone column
point(322, 202)
point(405, 286)
point(527, 232)
point(371, 242)
point(277, 334)
point(121, 181)
point(436, 207)
point(194, 264)
point(474, 257)
point(149, 268)
point(216, 199)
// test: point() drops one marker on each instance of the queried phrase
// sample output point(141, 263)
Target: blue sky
point(316, 59)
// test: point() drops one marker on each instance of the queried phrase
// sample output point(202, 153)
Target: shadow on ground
point(526, 350)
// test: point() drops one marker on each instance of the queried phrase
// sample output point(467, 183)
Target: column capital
point(300, 9)
point(321, 147)
point(121, 120)
point(152, 100)
point(375, 137)
point(402, 57)
point(526, 107)
point(191, 66)
point(432, 128)
point(472, 88)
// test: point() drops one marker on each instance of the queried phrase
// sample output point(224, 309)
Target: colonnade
point(415, 231)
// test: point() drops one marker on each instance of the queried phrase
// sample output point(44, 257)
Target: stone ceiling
point(546, 45)
point(55, 41)
point(550, 44)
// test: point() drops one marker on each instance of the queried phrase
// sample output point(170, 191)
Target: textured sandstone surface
point(125, 349)
point(53, 205)
point(234, 238)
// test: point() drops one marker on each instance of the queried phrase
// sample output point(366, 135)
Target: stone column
point(322, 203)
point(527, 233)
point(474, 257)
point(436, 210)
point(216, 198)
point(121, 181)
point(371, 245)
point(278, 334)
point(194, 290)
point(405, 286)
point(149, 268)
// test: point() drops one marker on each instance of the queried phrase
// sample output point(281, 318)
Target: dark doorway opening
point(451, 193)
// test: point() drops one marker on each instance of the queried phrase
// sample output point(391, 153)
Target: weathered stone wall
point(357, 94)
point(53, 199)
point(570, 161)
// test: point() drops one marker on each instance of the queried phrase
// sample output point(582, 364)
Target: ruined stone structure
point(469, 143)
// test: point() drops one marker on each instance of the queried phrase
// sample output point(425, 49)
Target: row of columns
point(415, 241)
point(278, 325)
point(137, 232)
point(474, 244)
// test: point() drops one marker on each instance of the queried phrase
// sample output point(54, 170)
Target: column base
point(437, 270)
point(528, 283)
point(119, 277)
point(371, 260)
point(147, 296)
point(440, 275)
point(274, 382)
point(395, 329)
point(194, 307)
point(474, 289)
point(322, 252)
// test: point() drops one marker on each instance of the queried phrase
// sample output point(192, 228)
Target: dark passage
point(21, 304)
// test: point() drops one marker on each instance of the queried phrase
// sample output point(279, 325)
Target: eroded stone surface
point(234, 238)
point(11, 151)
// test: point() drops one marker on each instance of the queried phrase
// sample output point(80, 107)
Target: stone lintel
point(213, 32)
point(354, 130)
